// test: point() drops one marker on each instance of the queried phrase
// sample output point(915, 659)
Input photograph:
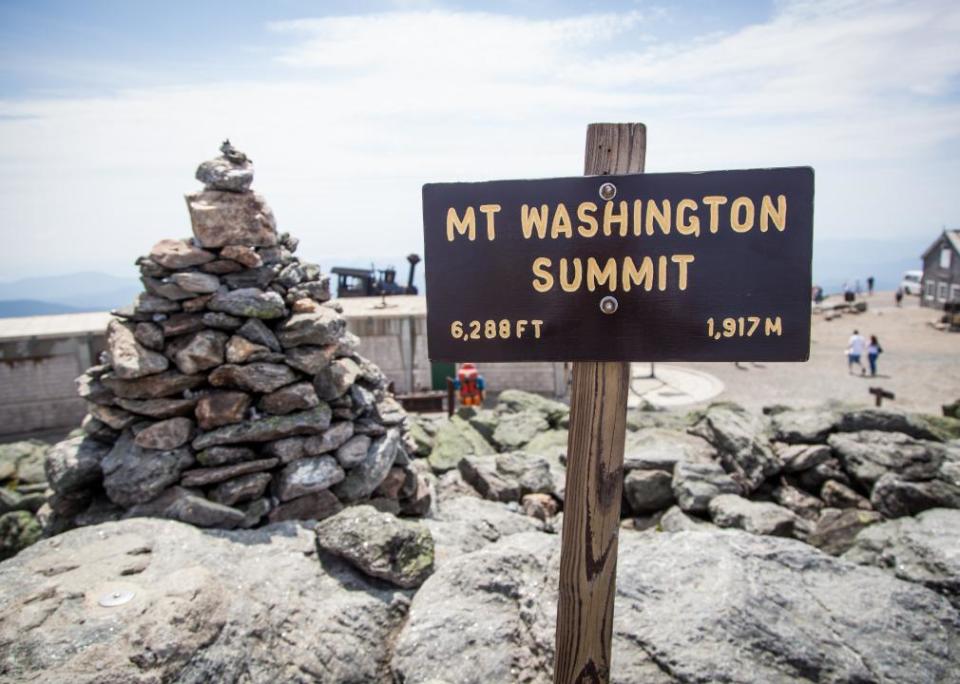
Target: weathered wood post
point(591, 518)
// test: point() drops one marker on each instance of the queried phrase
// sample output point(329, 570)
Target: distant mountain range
point(834, 262)
point(70, 293)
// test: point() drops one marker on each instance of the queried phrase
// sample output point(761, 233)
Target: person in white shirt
point(855, 347)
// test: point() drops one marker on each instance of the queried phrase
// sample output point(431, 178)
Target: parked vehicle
point(911, 282)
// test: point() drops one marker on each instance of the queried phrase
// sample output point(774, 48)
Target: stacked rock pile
point(231, 393)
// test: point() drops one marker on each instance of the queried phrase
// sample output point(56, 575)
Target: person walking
point(855, 346)
point(873, 351)
point(899, 296)
point(870, 286)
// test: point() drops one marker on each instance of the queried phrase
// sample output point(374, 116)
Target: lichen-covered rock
point(335, 379)
point(868, 455)
point(515, 401)
point(306, 476)
point(254, 377)
point(128, 357)
point(75, 464)
point(310, 422)
point(249, 302)
point(454, 440)
point(514, 430)
point(889, 420)
point(803, 426)
point(18, 530)
point(924, 550)
point(379, 545)
point(319, 328)
point(837, 528)
point(756, 517)
point(648, 491)
point(133, 475)
point(741, 440)
point(363, 479)
point(696, 484)
point(661, 449)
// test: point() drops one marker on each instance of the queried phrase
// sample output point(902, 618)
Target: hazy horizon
point(347, 109)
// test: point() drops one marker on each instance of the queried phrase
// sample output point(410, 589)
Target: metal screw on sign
point(608, 191)
point(609, 305)
point(115, 598)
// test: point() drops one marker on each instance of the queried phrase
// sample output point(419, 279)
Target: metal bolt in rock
point(115, 598)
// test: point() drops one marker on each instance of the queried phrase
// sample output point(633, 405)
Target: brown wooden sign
point(708, 266)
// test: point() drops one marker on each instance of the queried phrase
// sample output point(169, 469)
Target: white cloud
point(369, 107)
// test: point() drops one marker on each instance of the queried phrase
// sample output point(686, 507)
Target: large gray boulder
point(661, 449)
point(916, 425)
point(757, 517)
point(896, 496)
point(696, 606)
point(924, 549)
point(742, 441)
point(803, 426)
point(379, 544)
point(870, 454)
point(134, 475)
point(250, 606)
point(462, 524)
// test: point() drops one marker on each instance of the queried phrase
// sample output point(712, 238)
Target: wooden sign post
point(604, 269)
point(598, 421)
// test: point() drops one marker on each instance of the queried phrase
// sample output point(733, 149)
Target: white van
point(911, 282)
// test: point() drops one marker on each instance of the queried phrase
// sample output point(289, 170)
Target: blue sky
point(347, 108)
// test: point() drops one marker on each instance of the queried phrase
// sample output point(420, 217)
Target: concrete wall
point(37, 390)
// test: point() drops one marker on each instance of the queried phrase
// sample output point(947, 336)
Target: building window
point(955, 293)
point(945, 257)
point(941, 292)
point(929, 288)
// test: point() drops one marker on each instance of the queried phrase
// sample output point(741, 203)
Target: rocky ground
point(813, 545)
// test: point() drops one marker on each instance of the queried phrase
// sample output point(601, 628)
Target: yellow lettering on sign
point(619, 218)
point(633, 276)
point(561, 223)
point(686, 226)
point(465, 226)
point(588, 222)
point(543, 279)
point(714, 202)
point(660, 215)
point(566, 283)
point(682, 260)
point(534, 218)
point(597, 276)
point(741, 205)
point(778, 215)
point(488, 210)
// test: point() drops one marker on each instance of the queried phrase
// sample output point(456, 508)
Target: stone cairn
point(231, 393)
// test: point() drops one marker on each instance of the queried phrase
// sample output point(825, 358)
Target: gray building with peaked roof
point(941, 271)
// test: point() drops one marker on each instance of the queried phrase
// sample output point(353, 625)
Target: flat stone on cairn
point(231, 393)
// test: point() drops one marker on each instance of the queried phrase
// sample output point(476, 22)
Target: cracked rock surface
point(263, 606)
